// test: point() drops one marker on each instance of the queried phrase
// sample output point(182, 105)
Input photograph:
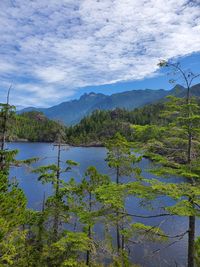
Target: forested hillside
point(92, 130)
point(96, 128)
point(33, 126)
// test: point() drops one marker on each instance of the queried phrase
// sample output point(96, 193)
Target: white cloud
point(6, 66)
point(51, 74)
point(60, 45)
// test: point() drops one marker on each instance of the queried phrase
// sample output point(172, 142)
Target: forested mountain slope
point(34, 126)
point(73, 111)
point(102, 124)
point(94, 128)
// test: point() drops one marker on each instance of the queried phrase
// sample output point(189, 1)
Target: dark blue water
point(148, 254)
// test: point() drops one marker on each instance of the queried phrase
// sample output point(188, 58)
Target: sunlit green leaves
point(145, 232)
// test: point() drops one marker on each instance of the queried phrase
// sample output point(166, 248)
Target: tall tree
point(121, 160)
point(6, 113)
point(87, 206)
point(188, 77)
point(176, 146)
point(14, 216)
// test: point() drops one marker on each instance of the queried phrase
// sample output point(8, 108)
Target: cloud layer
point(50, 48)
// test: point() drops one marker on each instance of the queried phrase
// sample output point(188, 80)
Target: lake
point(145, 253)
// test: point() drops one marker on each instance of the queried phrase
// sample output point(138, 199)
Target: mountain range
point(73, 111)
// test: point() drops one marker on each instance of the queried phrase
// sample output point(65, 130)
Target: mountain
point(72, 112)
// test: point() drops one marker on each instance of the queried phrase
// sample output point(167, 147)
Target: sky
point(55, 50)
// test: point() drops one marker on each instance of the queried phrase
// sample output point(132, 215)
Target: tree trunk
point(123, 241)
point(56, 215)
point(117, 214)
point(118, 237)
point(191, 241)
point(4, 130)
point(88, 251)
point(191, 231)
point(89, 231)
point(117, 176)
point(189, 147)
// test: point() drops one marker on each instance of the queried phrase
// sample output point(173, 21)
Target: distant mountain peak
point(92, 94)
point(73, 111)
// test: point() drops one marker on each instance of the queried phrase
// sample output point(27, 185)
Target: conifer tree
point(6, 113)
point(176, 147)
point(61, 247)
point(87, 207)
point(122, 160)
point(190, 121)
point(14, 216)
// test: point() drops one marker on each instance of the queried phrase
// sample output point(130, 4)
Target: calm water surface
point(144, 253)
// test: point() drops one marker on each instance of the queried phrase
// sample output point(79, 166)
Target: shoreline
point(50, 142)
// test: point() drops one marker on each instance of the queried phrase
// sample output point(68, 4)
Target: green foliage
point(120, 157)
point(112, 195)
point(35, 127)
point(13, 215)
point(66, 251)
point(150, 233)
point(30, 238)
point(102, 125)
point(197, 251)
point(7, 117)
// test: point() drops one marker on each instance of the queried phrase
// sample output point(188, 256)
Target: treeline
point(95, 129)
point(92, 130)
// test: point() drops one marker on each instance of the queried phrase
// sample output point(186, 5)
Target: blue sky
point(55, 50)
point(160, 79)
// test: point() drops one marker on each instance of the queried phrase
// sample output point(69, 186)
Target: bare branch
point(193, 78)
point(148, 216)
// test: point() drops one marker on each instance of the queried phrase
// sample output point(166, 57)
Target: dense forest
point(92, 130)
point(63, 232)
point(96, 128)
point(33, 126)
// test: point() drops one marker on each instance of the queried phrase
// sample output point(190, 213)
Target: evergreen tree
point(176, 147)
point(122, 160)
point(87, 207)
point(14, 216)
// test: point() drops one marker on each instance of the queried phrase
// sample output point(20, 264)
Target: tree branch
point(148, 216)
